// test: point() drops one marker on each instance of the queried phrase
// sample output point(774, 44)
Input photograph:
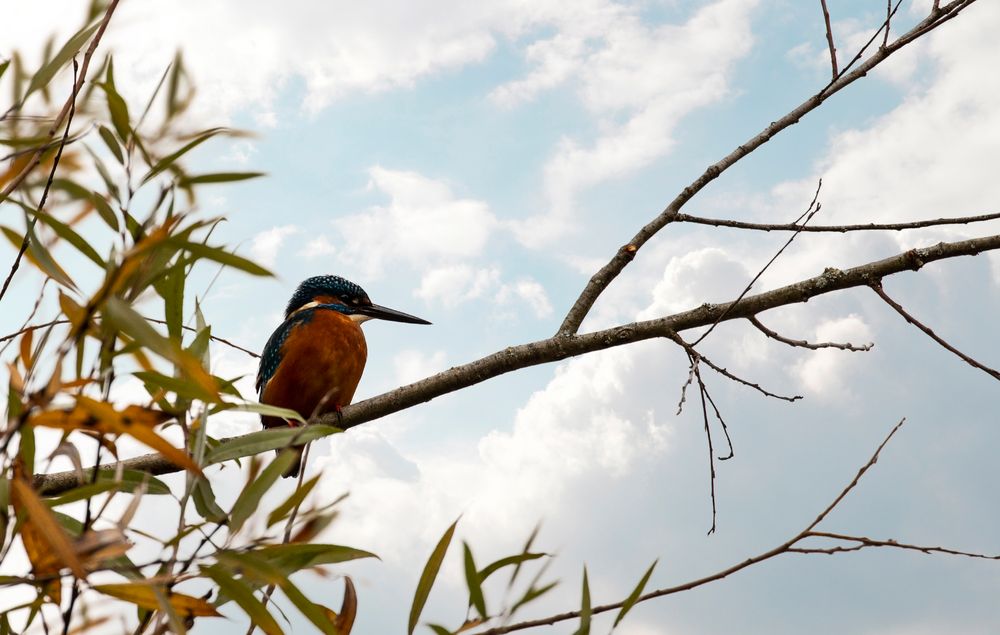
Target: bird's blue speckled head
point(332, 287)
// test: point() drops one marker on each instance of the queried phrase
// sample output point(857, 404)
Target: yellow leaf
point(44, 538)
point(26, 348)
point(144, 595)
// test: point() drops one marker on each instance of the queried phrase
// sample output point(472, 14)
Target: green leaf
point(171, 289)
point(584, 607)
point(50, 68)
point(221, 256)
point(282, 511)
point(533, 593)
point(44, 260)
point(439, 630)
point(297, 556)
point(3, 67)
point(131, 479)
point(474, 583)
point(170, 159)
point(176, 385)
point(80, 493)
point(242, 594)
point(273, 439)
point(519, 559)
point(249, 499)
point(264, 409)
point(112, 143)
point(313, 612)
point(67, 233)
point(118, 110)
point(204, 500)
point(219, 177)
point(428, 576)
point(634, 595)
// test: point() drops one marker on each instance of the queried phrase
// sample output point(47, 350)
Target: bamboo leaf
point(219, 177)
point(43, 538)
point(634, 595)
point(170, 159)
point(52, 66)
point(242, 594)
point(584, 607)
point(428, 576)
point(264, 440)
point(222, 257)
point(295, 557)
point(520, 558)
point(282, 511)
point(474, 583)
point(313, 612)
point(249, 499)
point(144, 595)
point(112, 143)
point(204, 501)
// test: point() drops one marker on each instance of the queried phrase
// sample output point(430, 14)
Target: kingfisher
point(313, 361)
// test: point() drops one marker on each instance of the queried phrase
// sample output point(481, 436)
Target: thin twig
point(803, 343)
point(877, 288)
point(708, 435)
point(865, 542)
point(805, 217)
point(32, 327)
point(842, 229)
point(829, 39)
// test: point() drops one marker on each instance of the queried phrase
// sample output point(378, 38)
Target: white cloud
point(639, 82)
point(423, 225)
point(266, 244)
point(318, 247)
point(411, 365)
point(455, 284)
point(823, 372)
point(531, 292)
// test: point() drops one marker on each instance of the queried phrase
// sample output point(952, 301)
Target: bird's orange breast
point(321, 364)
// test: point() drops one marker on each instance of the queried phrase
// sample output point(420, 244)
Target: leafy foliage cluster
point(110, 218)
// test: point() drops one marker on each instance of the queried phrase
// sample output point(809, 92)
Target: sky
point(475, 163)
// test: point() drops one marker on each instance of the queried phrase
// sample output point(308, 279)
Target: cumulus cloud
point(411, 365)
point(823, 373)
point(639, 81)
point(266, 244)
point(423, 224)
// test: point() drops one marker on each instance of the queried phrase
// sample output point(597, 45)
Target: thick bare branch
point(603, 278)
point(558, 348)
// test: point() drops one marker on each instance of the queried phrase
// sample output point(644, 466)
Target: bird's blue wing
point(271, 357)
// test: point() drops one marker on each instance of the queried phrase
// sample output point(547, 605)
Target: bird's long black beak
point(385, 313)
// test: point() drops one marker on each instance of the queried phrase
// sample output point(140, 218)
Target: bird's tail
point(295, 468)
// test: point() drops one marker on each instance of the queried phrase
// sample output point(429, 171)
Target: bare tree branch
point(803, 343)
point(558, 348)
point(877, 287)
point(48, 186)
point(843, 229)
point(829, 39)
point(603, 278)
